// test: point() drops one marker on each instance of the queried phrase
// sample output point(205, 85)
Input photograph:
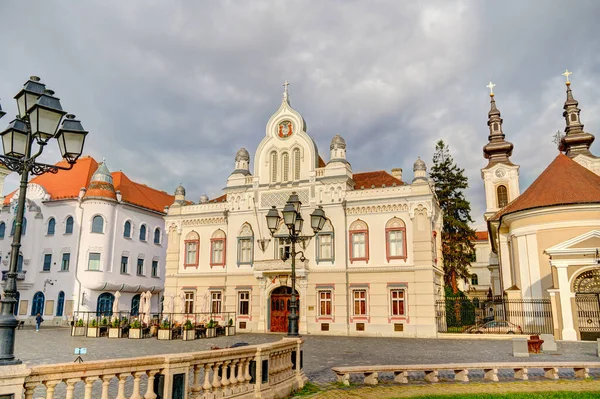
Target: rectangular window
point(245, 250)
point(324, 246)
point(154, 268)
point(244, 300)
point(189, 302)
point(216, 302)
point(324, 303)
point(140, 267)
point(360, 302)
point(191, 253)
point(94, 261)
point(397, 306)
point(66, 259)
point(218, 252)
point(395, 244)
point(359, 245)
point(124, 265)
point(47, 262)
point(284, 249)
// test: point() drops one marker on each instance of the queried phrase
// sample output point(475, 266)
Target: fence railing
point(267, 370)
point(494, 315)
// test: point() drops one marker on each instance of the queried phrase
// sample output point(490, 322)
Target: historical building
point(480, 282)
point(87, 234)
point(545, 241)
point(373, 270)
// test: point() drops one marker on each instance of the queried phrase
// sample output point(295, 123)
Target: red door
point(280, 308)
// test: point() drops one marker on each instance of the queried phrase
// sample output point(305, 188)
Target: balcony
point(277, 265)
point(20, 275)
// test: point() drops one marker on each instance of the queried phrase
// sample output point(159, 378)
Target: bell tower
point(500, 176)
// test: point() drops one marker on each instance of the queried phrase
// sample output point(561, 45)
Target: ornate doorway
point(280, 308)
point(587, 299)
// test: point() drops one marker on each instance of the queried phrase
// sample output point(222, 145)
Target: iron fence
point(494, 315)
point(588, 316)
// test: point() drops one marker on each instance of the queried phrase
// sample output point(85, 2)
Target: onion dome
point(497, 150)
point(419, 165)
point(419, 171)
point(203, 199)
point(180, 190)
point(575, 141)
point(337, 142)
point(101, 183)
point(242, 155)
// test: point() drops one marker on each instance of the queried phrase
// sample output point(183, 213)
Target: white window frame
point(246, 300)
point(189, 302)
point(355, 299)
point(216, 298)
point(321, 300)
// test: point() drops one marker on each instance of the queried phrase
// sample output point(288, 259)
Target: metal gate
point(588, 314)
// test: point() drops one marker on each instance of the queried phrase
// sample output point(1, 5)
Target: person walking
point(38, 322)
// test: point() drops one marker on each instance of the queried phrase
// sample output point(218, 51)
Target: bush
point(136, 324)
point(104, 321)
point(94, 323)
point(79, 323)
point(211, 324)
point(230, 322)
point(165, 325)
point(460, 311)
point(188, 325)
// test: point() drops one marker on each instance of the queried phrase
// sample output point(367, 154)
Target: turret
point(575, 141)
point(242, 162)
point(337, 149)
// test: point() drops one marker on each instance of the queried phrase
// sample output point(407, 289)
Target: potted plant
point(189, 332)
point(230, 329)
point(79, 328)
point(164, 330)
point(135, 329)
point(115, 330)
point(93, 330)
point(211, 329)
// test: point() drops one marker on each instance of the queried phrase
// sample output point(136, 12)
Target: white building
point(373, 270)
point(87, 234)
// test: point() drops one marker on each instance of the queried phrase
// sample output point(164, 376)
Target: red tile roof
point(481, 235)
point(66, 184)
point(322, 163)
point(563, 182)
point(222, 198)
point(377, 179)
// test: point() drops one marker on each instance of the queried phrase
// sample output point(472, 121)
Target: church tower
point(500, 176)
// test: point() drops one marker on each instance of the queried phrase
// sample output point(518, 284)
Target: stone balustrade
point(461, 371)
point(224, 373)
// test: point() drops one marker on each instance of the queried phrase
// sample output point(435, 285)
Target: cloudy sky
point(170, 90)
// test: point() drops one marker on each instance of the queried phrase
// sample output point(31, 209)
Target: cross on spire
point(557, 137)
point(285, 90)
point(491, 87)
point(566, 74)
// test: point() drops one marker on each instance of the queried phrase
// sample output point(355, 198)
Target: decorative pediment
point(586, 243)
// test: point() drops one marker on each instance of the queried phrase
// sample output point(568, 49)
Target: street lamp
point(293, 220)
point(40, 114)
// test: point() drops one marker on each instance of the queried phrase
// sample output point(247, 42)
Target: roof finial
point(285, 90)
point(566, 74)
point(491, 87)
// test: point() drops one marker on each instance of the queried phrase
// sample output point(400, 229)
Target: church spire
point(497, 150)
point(575, 141)
point(285, 92)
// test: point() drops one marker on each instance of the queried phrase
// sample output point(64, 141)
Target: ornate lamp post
point(40, 114)
point(293, 220)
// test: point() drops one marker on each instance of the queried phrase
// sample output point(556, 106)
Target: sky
point(169, 91)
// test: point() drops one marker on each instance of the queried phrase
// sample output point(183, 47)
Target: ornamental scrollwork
point(588, 282)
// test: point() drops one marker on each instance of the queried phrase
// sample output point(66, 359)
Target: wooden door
point(279, 312)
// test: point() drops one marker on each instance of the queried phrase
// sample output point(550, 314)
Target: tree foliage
point(457, 235)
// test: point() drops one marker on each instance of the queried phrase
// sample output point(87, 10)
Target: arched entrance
point(280, 308)
point(587, 298)
point(105, 304)
point(37, 305)
point(135, 305)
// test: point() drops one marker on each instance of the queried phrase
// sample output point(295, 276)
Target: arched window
point(157, 235)
point(359, 241)
point(14, 226)
point(105, 304)
point(60, 304)
point(245, 245)
point(143, 232)
point(98, 224)
point(20, 263)
point(395, 239)
point(285, 165)
point(474, 279)
point(127, 229)
point(273, 167)
point(217, 248)
point(325, 243)
point(502, 195)
point(192, 244)
point(297, 164)
point(51, 226)
point(69, 225)
point(37, 304)
point(135, 305)
point(17, 301)
point(2, 230)
point(573, 118)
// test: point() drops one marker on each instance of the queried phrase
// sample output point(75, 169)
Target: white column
point(568, 332)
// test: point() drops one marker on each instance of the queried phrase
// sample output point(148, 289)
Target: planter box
point(164, 334)
point(211, 332)
point(230, 330)
point(78, 331)
point(115, 332)
point(93, 332)
point(135, 333)
point(189, 335)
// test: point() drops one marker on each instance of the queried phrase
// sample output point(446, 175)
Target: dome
point(337, 142)
point(242, 155)
point(203, 199)
point(180, 190)
point(102, 174)
point(101, 184)
point(419, 165)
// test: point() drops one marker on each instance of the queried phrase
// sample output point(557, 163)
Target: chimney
point(397, 173)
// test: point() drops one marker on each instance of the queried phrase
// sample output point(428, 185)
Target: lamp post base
point(8, 325)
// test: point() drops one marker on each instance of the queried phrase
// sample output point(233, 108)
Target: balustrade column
point(240, 375)
point(248, 376)
point(50, 386)
point(136, 385)
point(224, 379)
point(216, 383)
point(122, 380)
point(150, 394)
point(29, 388)
point(89, 384)
point(207, 386)
point(196, 387)
point(71, 387)
point(105, 383)
point(233, 380)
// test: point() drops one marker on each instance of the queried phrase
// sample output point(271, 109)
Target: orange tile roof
point(222, 198)
point(377, 179)
point(66, 184)
point(322, 163)
point(481, 235)
point(563, 182)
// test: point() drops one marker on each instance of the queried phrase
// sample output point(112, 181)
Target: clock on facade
point(500, 173)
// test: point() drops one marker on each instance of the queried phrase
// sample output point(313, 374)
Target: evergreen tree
point(457, 236)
